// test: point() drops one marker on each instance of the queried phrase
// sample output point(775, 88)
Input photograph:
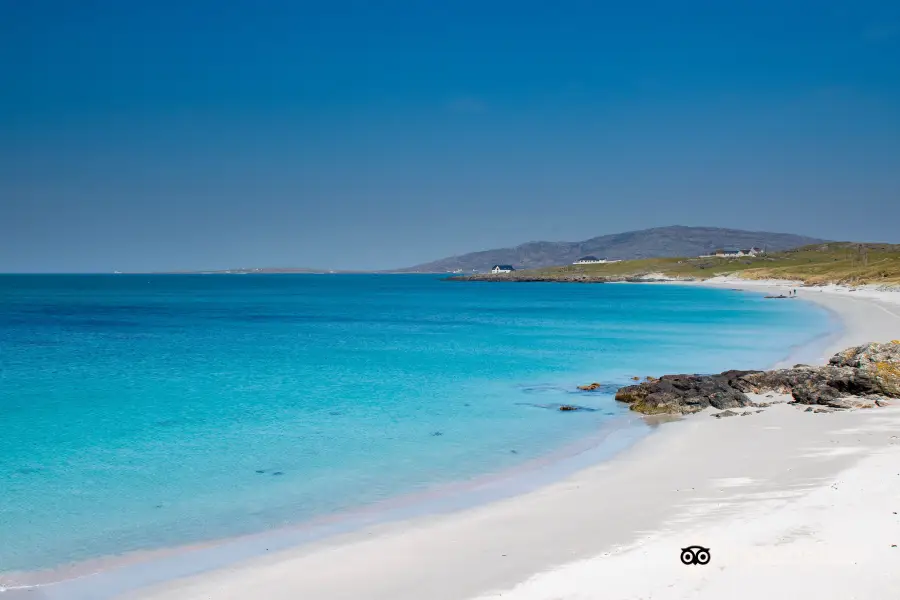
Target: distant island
point(257, 270)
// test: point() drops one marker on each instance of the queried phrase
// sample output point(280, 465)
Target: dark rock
point(590, 387)
point(828, 384)
point(684, 394)
point(725, 413)
point(437, 434)
point(567, 407)
point(781, 381)
point(276, 473)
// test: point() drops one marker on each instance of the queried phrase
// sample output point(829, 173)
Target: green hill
point(816, 264)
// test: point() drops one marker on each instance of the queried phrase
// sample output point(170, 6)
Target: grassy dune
point(839, 262)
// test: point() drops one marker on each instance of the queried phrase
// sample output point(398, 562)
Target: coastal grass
point(839, 262)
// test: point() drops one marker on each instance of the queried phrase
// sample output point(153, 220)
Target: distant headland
point(817, 264)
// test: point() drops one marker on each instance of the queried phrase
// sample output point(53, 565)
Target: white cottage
point(502, 269)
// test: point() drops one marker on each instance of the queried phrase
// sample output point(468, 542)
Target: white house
point(736, 253)
point(502, 269)
point(589, 260)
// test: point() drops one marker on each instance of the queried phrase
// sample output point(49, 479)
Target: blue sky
point(200, 134)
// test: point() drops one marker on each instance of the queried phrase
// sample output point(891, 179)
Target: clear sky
point(153, 135)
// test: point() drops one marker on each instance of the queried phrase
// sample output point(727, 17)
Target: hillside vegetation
point(817, 264)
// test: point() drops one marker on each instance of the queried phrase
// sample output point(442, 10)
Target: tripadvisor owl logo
point(695, 555)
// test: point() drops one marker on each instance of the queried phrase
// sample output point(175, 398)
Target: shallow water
point(149, 411)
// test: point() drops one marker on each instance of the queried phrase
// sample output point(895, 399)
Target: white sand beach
point(790, 503)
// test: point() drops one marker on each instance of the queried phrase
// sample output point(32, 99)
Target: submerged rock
point(562, 407)
point(590, 387)
point(858, 377)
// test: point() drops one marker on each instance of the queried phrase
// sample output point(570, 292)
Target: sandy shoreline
point(615, 530)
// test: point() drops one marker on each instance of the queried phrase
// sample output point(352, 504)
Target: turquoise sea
point(140, 412)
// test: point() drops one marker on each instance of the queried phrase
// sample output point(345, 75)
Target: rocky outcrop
point(858, 377)
point(809, 384)
point(881, 362)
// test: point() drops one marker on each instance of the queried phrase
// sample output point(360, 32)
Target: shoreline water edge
point(558, 532)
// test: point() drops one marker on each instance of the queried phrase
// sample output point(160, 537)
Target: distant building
point(589, 260)
point(728, 253)
point(502, 269)
point(737, 253)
